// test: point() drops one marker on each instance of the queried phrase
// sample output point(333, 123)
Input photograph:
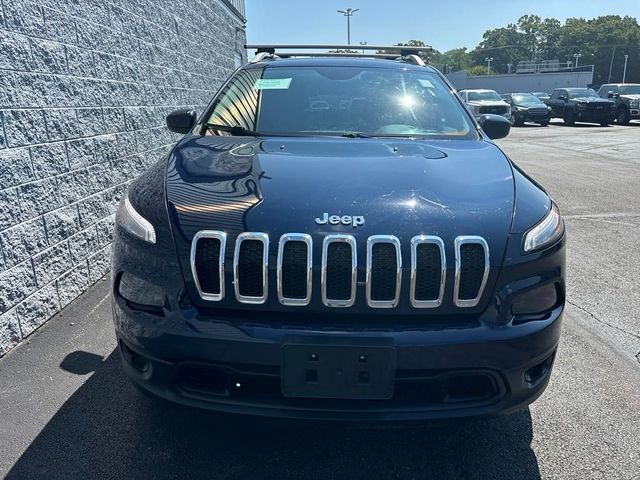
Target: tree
point(598, 41)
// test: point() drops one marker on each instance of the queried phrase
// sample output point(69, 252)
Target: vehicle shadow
point(107, 429)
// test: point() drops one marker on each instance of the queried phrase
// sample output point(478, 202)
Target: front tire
point(569, 118)
point(604, 124)
point(545, 123)
point(623, 117)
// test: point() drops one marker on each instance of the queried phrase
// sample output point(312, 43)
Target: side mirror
point(610, 95)
point(181, 121)
point(563, 98)
point(495, 126)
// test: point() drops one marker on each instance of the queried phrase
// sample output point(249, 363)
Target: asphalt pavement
point(66, 411)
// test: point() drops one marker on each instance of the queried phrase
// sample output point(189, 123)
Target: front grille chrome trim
point(295, 237)
point(222, 238)
point(371, 241)
point(459, 241)
point(328, 240)
point(261, 237)
point(415, 242)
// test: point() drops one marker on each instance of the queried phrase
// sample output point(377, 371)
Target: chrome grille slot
point(207, 263)
point(472, 270)
point(384, 271)
point(250, 264)
point(339, 270)
point(294, 269)
point(428, 271)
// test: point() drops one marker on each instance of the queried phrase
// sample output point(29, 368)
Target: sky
point(443, 24)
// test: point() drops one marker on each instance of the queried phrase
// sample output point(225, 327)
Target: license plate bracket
point(354, 371)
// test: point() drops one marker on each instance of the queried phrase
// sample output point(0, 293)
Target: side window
point(237, 103)
point(555, 95)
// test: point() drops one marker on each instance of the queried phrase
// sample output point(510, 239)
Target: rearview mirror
point(495, 126)
point(181, 121)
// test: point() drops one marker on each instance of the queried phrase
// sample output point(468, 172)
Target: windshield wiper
point(355, 135)
point(232, 129)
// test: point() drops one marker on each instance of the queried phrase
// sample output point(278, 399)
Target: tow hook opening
point(536, 374)
point(135, 360)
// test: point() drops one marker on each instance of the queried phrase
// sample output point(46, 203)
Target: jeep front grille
point(339, 269)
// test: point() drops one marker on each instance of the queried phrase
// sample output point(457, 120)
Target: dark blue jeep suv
point(339, 239)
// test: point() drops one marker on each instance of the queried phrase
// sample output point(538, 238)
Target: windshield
point(582, 93)
point(341, 100)
point(525, 99)
point(486, 95)
point(630, 90)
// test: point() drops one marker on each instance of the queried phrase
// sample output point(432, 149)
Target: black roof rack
point(274, 52)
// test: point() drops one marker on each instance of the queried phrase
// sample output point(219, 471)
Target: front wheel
point(545, 123)
point(569, 118)
point(604, 124)
point(623, 117)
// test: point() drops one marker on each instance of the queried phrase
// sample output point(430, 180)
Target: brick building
point(84, 89)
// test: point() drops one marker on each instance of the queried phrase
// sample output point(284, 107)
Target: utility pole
point(488, 60)
point(624, 74)
point(348, 13)
point(611, 64)
point(363, 44)
point(577, 57)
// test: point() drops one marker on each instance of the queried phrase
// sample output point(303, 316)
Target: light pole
point(363, 44)
point(624, 74)
point(577, 57)
point(611, 64)
point(348, 13)
point(488, 60)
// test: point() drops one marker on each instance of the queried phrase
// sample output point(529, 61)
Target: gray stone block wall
point(84, 89)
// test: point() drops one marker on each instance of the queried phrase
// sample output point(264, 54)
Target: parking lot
point(66, 410)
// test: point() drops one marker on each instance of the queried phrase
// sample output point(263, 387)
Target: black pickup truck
point(581, 105)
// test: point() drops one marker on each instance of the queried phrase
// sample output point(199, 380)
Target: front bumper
point(594, 116)
point(210, 362)
point(531, 117)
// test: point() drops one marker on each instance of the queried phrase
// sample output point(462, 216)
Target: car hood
point(488, 103)
point(401, 187)
point(631, 97)
point(592, 100)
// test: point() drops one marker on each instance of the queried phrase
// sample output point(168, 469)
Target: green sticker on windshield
point(272, 83)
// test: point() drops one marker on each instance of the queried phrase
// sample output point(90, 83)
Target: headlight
point(545, 233)
point(134, 223)
point(521, 109)
point(548, 109)
point(476, 110)
point(635, 104)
